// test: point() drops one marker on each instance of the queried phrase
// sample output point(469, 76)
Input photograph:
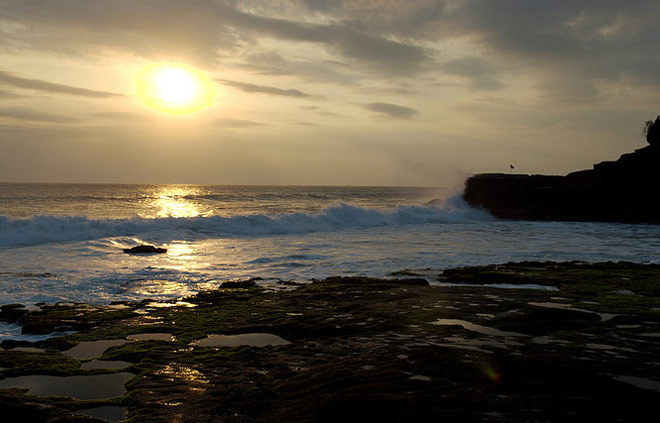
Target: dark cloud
point(481, 74)
point(386, 54)
point(567, 46)
point(157, 29)
point(392, 110)
point(557, 43)
point(252, 88)
point(51, 87)
point(20, 113)
point(195, 29)
point(273, 64)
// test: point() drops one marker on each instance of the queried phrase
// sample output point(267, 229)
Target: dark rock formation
point(145, 249)
point(12, 313)
point(249, 283)
point(614, 191)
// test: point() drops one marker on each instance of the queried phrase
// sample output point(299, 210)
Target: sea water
point(63, 242)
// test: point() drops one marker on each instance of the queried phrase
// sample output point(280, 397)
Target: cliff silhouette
point(625, 190)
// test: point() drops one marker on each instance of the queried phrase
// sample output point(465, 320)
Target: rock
point(404, 272)
point(249, 283)
point(412, 281)
point(145, 249)
point(618, 191)
point(12, 313)
point(369, 349)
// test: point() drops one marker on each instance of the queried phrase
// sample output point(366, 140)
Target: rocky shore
point(528, 342)
point(613, 191)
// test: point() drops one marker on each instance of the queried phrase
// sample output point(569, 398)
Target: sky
point(329, 92)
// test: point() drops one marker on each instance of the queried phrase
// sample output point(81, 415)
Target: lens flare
point(491, 373)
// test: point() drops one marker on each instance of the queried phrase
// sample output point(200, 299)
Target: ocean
point(63, 242)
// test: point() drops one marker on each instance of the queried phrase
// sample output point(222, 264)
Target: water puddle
point(247, 339)
point(105, 364)
point(640, 382)
point(93, 349)
point(176, 304)
point(547, 340)
point(499, 285)
point(167, 337)
point(421, 378)
point(599, 347)
point(116, 306)
point(79, 387)
point(485, 330)
point(603, 316)
point(501, 342)
point(111, 414)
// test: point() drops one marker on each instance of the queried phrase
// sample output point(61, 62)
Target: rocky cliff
point(625, 190)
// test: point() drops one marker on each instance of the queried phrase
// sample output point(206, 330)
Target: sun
point(174, 88)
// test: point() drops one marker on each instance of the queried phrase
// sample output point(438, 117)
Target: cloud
point(120, 116)
point(392, 110)
point(196, 29)
point(480, 73)
point(588, 42)
point(562, 45)
point(252, 88)
point(8, 94)
point(237, 123)
point(51, 87)
point(273, 64)
point(20, 113)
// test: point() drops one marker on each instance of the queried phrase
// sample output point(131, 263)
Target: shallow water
point(485, 330)
point(603, 316)
point(111, 414)
point(640, 382)
point(79, 387)
point(93, 349)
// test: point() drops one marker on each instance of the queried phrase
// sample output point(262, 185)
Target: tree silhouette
point(652, 131)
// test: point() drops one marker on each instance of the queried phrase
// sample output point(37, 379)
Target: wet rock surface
point(372, 349)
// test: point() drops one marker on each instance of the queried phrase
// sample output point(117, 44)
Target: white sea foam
point(339, 216)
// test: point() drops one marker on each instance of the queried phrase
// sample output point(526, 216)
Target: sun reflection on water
point(192, 379)
point(177, 201)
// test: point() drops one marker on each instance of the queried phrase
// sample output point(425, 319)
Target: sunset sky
point(380, 92)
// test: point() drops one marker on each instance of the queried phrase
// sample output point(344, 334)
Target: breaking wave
point(339, 216)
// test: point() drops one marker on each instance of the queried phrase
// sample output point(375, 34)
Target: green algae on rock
point(364, 348)
point(240, 340)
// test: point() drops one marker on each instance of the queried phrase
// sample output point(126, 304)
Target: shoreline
point(356, 347)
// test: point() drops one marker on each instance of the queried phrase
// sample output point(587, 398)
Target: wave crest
point(47, 228)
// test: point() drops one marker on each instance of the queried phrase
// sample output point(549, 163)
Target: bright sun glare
point(174, 88)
